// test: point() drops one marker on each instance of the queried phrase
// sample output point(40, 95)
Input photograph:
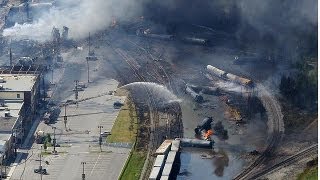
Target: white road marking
point(95, 164)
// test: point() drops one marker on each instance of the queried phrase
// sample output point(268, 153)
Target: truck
point(82, 85)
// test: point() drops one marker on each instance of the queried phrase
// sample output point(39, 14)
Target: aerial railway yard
point(145, 67)
point(155, 136)
point(203, 110)
point(272, 109)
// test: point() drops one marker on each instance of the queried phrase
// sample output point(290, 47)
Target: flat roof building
point(19, 95)
point(21, 87)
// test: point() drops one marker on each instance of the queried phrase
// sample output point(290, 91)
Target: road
point(79, 141)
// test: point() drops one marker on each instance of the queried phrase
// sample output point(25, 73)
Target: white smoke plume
point(160, 95)
point(230, 87)
point(81, 16)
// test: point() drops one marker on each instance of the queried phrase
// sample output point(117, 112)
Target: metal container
point(186, 142)
point(160, 36)
point(206, 123)
point(215, 71)
point(198, 98)
point(171, 157)
point(234, 78)
point(164, 178)
point(155, 173)
point(167, 169)
point(195, 40)
point(159, 161)
point(175, 145)
point(164, 147)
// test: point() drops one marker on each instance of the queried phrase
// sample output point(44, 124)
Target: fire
point(208, 134)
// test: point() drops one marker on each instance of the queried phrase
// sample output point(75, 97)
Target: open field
point(125, 127)
point(309, 174)
point(134, 165)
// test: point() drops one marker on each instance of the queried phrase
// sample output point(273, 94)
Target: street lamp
point(100, 138)
point(54, 140)
point(83, 175)
point(65, 118)
point(88, 69)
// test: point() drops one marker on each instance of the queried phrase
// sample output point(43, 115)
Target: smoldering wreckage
point(155, 92)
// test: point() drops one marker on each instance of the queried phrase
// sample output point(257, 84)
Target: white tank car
point(215, 71)
point(234, 78)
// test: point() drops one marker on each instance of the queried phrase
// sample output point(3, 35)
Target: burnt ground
point(186, 64)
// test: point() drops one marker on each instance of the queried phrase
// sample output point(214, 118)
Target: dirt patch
point(296, 119)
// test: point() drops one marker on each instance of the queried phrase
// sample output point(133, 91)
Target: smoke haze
point(81, 16)
point(251, 17)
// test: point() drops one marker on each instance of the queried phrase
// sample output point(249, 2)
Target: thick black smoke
point(270, 23)
point(263, 15)
point(276, 23)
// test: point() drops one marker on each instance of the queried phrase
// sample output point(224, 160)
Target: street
point(79, 140)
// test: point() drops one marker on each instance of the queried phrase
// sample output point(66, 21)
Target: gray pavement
point(79, 142)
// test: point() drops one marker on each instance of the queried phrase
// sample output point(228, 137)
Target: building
point(21, 87)
point(11, 129)
point(19, 99)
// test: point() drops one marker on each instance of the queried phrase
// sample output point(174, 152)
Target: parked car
point(40, 170)
point(117, 104)
point(105, 134)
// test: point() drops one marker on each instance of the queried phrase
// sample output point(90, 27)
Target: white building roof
point(8, 123)
point(4, 138)
point(13, 106)
point(17, 82)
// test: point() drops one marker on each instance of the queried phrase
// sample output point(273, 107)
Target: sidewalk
point(24, 145)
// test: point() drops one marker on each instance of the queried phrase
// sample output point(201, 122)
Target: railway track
point(156, 63)
point(275, 116)
point(276, 130)
point(158, 73)
point(291, 159)
point(153, 113)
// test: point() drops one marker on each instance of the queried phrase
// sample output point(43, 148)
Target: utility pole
point(10, 54)
point(100, 138)
point(52, 75)
point(83, 174)
point(40, 167)
point(44, 86)
point(54, 140)
point(89, 43)
point(89, 55)
point(76, 91)
point(88, 69)
point(65, 116)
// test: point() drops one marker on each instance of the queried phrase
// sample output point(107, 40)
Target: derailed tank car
point(195, 40)
point(204, 125)
point(197, 97)
point(146, 33)
point(228, 76)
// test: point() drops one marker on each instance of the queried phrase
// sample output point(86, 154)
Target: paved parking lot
point(79, 141)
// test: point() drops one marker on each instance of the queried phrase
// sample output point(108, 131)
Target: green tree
point(48, 138)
